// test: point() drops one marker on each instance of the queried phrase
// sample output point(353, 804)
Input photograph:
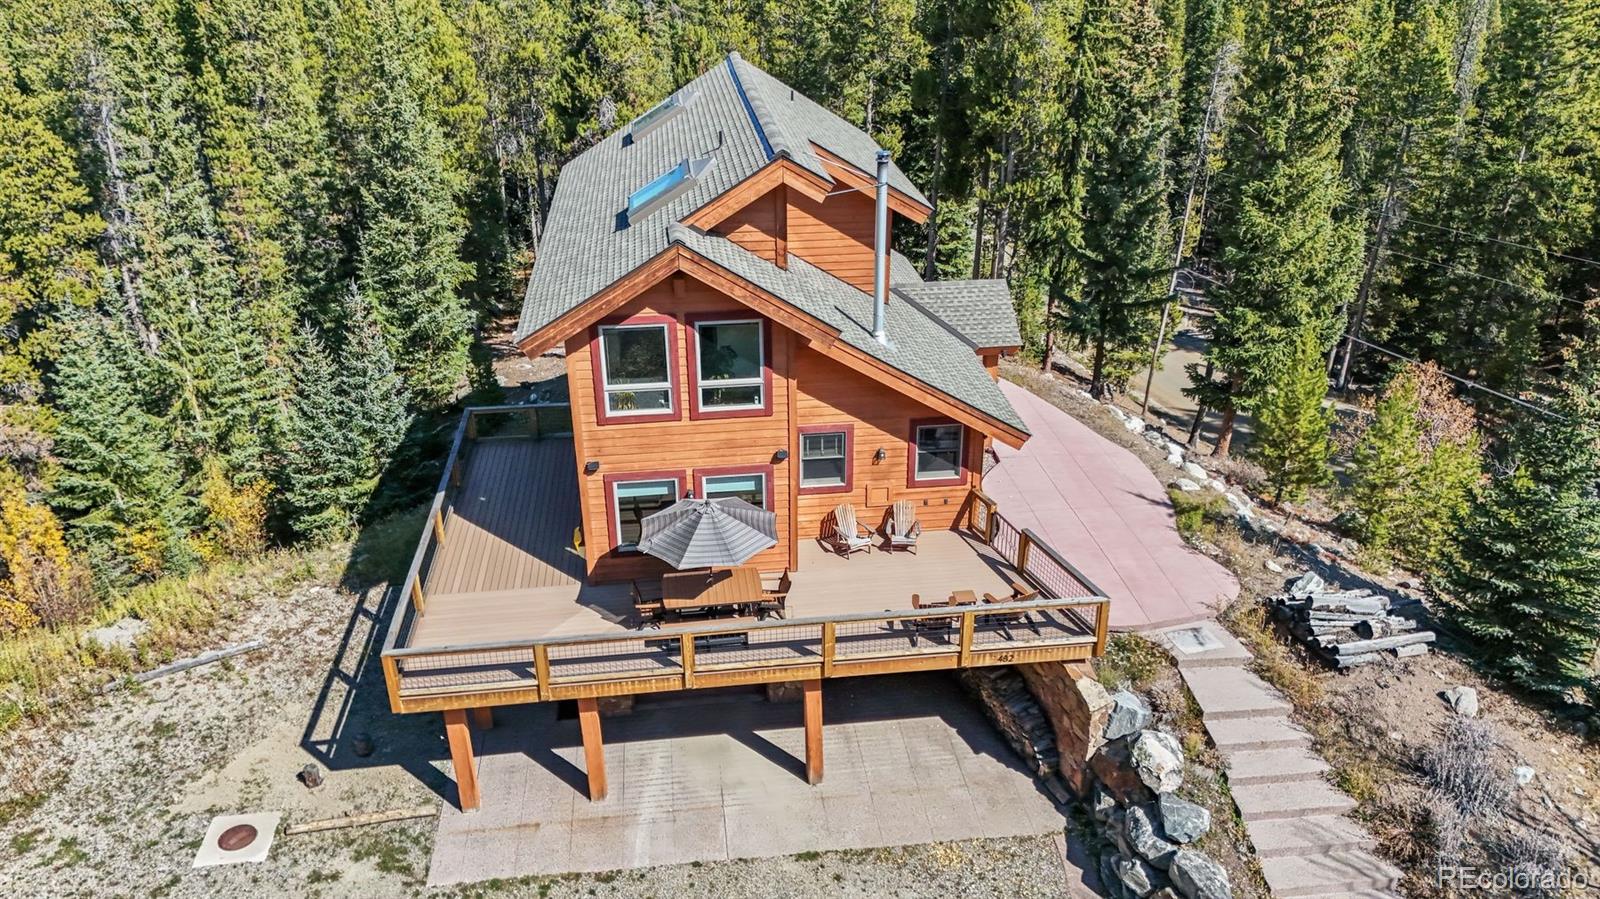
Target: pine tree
point(1286, 257)
point(119, 486)
point(1526, 580)
point(324, 470)
point(1125, 254)
point(408, 230)
point(1293, 439)
point(366, 378)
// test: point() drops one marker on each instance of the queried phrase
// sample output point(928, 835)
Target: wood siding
point(835, 235)
point(759, 227)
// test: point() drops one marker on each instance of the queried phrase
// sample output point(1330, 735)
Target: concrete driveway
point(702, 777)
point(1107, 514)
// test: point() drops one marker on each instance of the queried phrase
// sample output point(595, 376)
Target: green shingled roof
point(743, 118)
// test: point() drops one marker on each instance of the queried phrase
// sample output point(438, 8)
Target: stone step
point(1268, 802)
point(1275, 838)
point(1274, 766)
point(1204, 645)
point(1225, 693)
point(1334, 872)
point(1246, 734)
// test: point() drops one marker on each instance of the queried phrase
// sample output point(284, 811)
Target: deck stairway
point(1295, 819)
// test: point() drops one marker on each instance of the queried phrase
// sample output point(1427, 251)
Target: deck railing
point(1068, 618)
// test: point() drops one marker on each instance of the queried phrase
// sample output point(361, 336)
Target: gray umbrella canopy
point(704, 533)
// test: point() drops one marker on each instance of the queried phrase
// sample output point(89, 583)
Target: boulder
point(1144, 837)
point(1109, 882)
point(1165, 893)
point(1137, 877)
point(1101, 804)
point(1523, 774)
point(1175, 460)
point(1133, 423)
point(1155, 438)
point(1158, 759)
point(1272, 566)
point(1464, 700)
point(1198, 877)
point(1174, 449)
point(121, 634)
point(1181, 820)
point(1196, 472)
point(1113, 767)
point(1307, 584)
point(1186, 485)
point(1116, 831)
point(1129, 715)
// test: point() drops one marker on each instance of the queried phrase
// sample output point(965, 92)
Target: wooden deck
point(500, 611)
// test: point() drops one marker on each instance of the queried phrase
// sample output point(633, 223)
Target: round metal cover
point(237, 837)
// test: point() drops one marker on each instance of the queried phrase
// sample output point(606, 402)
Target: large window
point(751, 487)
point(937, 453)
point(636, 369)
point(633, 501)
point(825, 459)
point(731, 359)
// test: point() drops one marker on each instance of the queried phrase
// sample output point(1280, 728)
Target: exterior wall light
point(780, 455)
point(591, 467)
point(879, 455)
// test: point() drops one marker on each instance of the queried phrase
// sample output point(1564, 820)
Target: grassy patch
point(1275, 661)
point(24, 842)
point(68, 852)
point(1199, 513)
point(1131, 662)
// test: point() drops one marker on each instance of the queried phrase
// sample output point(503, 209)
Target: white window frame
point(916, 452)
point(616, 505)
point(844, 455)
point(605, 372)
point(759, 381)
point(760, 476)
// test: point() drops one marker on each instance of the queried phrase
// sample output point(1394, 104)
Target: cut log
point(1352, 607)
point(215, 655)
point(1336, 617)
point(1413, 649)
point(1385, 627)
point(1364, 658)
point(1360, 646)
point(399, 814)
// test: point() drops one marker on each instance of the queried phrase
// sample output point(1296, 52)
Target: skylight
point(658, 114)
point(679, 178)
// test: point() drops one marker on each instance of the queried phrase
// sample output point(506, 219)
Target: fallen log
point(1360, 646)
point(1413, 649)
point(1365, 658)
point(207, 658)
point(399, 814)
point(1384, 627)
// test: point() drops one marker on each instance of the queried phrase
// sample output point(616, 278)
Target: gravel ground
point(114, 800)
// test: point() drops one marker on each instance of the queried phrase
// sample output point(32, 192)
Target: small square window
point(822, 459)
point(938, 452)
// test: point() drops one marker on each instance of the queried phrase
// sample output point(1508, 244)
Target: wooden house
point(717, 275)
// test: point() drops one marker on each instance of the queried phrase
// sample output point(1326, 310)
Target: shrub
point(1467, 768)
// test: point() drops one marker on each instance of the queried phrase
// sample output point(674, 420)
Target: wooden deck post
point(813, 713)
point(461, 761)
point(483, 717)
point(594, 754)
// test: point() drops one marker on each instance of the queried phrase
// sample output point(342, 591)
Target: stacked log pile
point(1347, 628)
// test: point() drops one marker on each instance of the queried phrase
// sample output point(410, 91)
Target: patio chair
point(774, 596)
point(848, 535)
point(1019, 593)
point(919, 626)
point(904, 528)
point(647, 603)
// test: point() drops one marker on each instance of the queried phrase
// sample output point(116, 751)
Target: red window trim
point(849, 458)
point(692, 336)
point(766, 471)
point(602, 416)
point(912, 481)
point(614, 527)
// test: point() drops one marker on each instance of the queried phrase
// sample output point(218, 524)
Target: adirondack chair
point(848, 535)
point(1019, 593)
point(774, 595)
point(904, 528)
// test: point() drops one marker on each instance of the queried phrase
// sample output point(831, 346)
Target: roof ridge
point(772, 133)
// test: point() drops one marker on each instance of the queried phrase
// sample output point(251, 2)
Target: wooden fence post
point(686, 653)
point(965, 656)
point(1024, 543)
point(416, 594)
point(830, 635)
point(541, 670)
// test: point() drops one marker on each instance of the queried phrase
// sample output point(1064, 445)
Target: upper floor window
point(636, 369)
point(937, 452)
point(731, 358)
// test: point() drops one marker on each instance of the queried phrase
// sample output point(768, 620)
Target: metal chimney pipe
point(880, 251)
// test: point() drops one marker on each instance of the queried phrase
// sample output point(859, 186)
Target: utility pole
point(1213, 104)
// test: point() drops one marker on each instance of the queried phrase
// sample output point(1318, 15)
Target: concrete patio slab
point(1103, 509)
point(908, 759)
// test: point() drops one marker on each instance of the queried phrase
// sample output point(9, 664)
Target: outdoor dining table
point(711, 587)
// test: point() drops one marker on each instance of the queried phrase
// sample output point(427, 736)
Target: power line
point(1456, 269)
point(1468, 382)
point(1410, 219)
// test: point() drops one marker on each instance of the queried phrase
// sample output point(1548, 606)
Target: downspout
point(880, 252)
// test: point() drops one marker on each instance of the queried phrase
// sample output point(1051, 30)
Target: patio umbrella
point(704, 533)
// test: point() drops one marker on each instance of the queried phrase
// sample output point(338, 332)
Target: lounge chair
point(774, 596)
point(848, 535)
point(904, 528)
point(1019, 593)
